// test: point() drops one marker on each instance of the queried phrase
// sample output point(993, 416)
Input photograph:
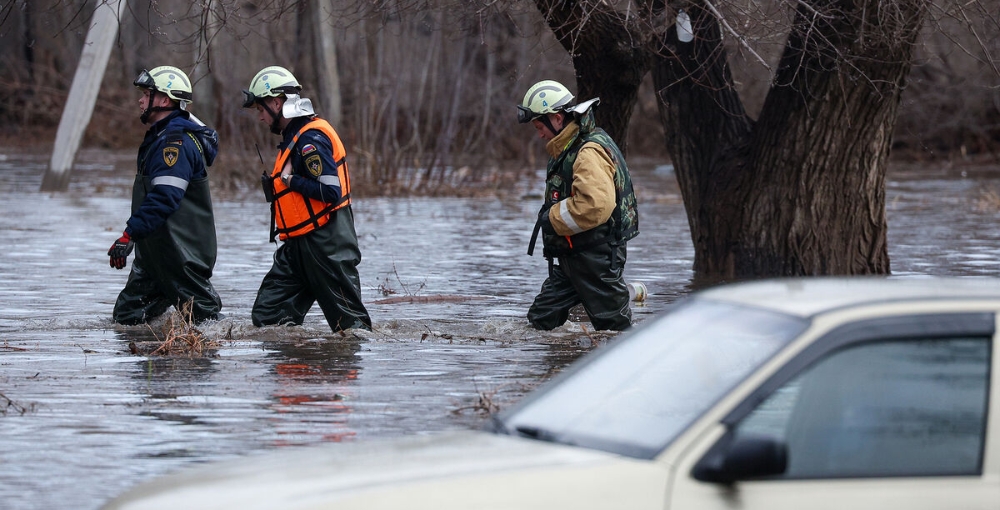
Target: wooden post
point(325, 63)
point(83, 93)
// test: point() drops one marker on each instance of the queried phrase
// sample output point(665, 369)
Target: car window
point(891, 408)
point(636, 395)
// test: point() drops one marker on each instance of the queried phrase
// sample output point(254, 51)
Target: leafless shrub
point(951, 109)
point(488, 403)
point(385, 288)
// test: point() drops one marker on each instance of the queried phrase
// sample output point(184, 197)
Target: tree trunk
point(325, 61)
point(802, 191)
point(607, 64)
point(707, 136)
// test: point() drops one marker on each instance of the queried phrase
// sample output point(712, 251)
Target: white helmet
point(168, 80)
point(273, 81)
point(542, 98)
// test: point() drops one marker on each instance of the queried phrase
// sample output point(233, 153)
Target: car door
point(886, 413)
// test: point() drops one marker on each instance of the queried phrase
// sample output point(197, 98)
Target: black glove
point(268, 184)
point(120, 250)
point(544, 223)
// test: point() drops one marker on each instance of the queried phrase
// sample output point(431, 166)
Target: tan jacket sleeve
point(593, 198)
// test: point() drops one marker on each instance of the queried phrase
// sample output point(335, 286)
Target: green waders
point(173, 265)
point(589, 277)
point(320, 266)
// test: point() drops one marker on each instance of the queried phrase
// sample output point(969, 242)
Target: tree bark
point(803, 191)
point(707, 136)
point(610, 57)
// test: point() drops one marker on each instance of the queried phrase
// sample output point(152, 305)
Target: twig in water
point(10, 403)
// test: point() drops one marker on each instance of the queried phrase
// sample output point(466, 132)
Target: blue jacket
point(174, 152)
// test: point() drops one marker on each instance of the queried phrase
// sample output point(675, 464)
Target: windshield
point(635, 396)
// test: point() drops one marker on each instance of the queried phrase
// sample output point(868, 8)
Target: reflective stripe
point(168, 180)
point(568, 218)
point(329, 180)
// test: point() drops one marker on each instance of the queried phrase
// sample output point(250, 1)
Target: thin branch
point(982, 44)
point(742, 40)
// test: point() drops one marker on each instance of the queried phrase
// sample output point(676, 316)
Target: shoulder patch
point(178, 141)
point(170, 155)
point(315, 165)
point(308, 149)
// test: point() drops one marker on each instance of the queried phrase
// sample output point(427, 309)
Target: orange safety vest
point(295, 215)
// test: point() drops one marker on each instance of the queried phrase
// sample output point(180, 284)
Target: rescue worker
point(309, 189)
point(588, 215)
point(172, 226)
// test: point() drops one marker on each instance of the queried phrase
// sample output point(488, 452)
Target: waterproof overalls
point(172, 224)
point(318, 258)
point(587, 262)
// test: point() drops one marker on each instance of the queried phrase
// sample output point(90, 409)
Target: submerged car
point(860, 393)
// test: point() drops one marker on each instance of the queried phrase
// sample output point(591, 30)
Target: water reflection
point(314, 380)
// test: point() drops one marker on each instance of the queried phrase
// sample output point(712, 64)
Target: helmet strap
point(152, 109)
point(275, 117)
point(548, 123)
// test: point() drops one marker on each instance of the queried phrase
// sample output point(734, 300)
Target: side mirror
point(733, 459)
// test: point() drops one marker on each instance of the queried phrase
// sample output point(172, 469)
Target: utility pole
point(83, 93)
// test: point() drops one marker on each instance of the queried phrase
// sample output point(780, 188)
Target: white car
point(840, 393)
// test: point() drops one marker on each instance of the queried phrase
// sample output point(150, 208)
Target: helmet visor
point(145, 80)
point(525, 115)
point(248, 99)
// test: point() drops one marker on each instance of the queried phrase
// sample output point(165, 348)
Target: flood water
point(446, 281)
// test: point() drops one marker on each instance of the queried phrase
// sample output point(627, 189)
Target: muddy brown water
point(447, 283)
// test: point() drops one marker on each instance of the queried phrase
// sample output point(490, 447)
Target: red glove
point(120, 250)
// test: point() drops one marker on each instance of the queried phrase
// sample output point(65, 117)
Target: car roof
point(807, 297)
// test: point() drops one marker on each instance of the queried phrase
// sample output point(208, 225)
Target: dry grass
point(988, 201)
point(180, 336)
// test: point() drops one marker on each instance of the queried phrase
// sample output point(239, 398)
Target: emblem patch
point(308, 149)
point(170, 155)
point(315, 165)
point(555, 195)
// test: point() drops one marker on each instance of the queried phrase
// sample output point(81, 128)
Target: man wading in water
point(172, 226)
point(310, 194)
point(588, 215)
